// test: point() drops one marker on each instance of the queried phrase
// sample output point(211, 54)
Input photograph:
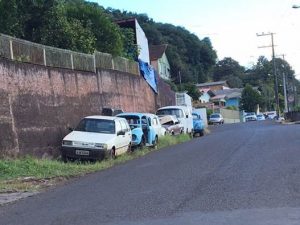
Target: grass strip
point(32, 174)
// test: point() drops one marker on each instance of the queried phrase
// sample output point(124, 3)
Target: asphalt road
point(239, 174)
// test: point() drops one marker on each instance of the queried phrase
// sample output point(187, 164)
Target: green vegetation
point(231, 107)
point(250, 99)
point(29, 173)
point(84, 26)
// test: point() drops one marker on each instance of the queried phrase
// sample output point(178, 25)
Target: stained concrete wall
point(38, 103)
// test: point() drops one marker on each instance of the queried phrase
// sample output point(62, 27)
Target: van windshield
point(96, 126)
point(176, 112)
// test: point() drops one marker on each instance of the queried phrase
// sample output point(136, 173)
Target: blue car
point(198, 124)
point(143, 133)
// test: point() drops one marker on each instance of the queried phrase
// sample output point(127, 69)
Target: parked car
point(96, 137)
point(271, 115)
point(155, 123)
point(250, 116)
point(143, 133)
point(198, 124)
point(260, 117)
point(183, 114)
point(172, 125)
point(216, 118)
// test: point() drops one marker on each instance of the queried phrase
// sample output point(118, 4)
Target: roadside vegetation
point(31, 174)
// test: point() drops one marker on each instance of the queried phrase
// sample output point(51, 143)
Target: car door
point(155, 124)
point(119, 139)
point(151, 131)
point(124, 139)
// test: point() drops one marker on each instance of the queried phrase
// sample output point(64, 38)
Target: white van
point(183, 114)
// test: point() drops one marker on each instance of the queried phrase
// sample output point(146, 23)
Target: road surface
point(239, 174)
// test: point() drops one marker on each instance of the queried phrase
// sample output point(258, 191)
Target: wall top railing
point(25, 51)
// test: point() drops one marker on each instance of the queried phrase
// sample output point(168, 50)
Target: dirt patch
point(13, 190)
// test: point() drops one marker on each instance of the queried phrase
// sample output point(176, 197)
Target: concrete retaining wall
point(38, 103)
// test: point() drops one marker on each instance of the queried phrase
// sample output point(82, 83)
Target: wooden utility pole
point(274, 68)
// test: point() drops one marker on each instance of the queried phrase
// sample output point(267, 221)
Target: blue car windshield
point(133, 121)
point(196, 117)
point(96, 126)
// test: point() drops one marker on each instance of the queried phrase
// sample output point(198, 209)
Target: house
point(232, 96)
point(140, 38)
point(206, 94)
point(218, 101)
point(213, 86)
point(159, 60)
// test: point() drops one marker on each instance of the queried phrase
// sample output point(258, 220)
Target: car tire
point(201, 133)
point(113, 153)
point(155, 144)
point(64, 158)
point(143, 143)
point(129, 149)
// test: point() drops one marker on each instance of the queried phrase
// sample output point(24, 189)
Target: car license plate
point(81, 152)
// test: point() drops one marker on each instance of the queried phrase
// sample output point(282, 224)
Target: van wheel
point(113, 153)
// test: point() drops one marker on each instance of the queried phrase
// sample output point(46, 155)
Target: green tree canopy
point(71, 24)
point(250, 99)
point(230, 70)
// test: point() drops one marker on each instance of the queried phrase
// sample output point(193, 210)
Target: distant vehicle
point(172, 125)
point(216, 118)
point(271, 115)
point(198, 124)
point(183, 114)
point(143, 133)
point(250, 116)
point(260, 117)
point(96, 137)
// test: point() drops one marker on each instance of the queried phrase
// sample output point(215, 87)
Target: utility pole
point(284, 87)
point(179, 74)
point(274, 67)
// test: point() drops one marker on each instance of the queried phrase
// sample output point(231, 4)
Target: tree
point(250, 99)
point(71, 24)
point(191, 89)
point(230, 70)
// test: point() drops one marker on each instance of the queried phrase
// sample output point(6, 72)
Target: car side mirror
point(70, 129)
point(121, 133)
point(177, 122)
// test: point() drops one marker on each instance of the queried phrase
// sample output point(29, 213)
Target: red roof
point(157, 51)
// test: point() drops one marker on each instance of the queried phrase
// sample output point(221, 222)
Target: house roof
point(212, 83)
point(157, 51)
point(229, 93)
point(219, 98)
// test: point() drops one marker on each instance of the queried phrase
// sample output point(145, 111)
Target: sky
point(232, 25)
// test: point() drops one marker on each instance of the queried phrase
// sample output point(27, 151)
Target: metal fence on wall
point(25, 51)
